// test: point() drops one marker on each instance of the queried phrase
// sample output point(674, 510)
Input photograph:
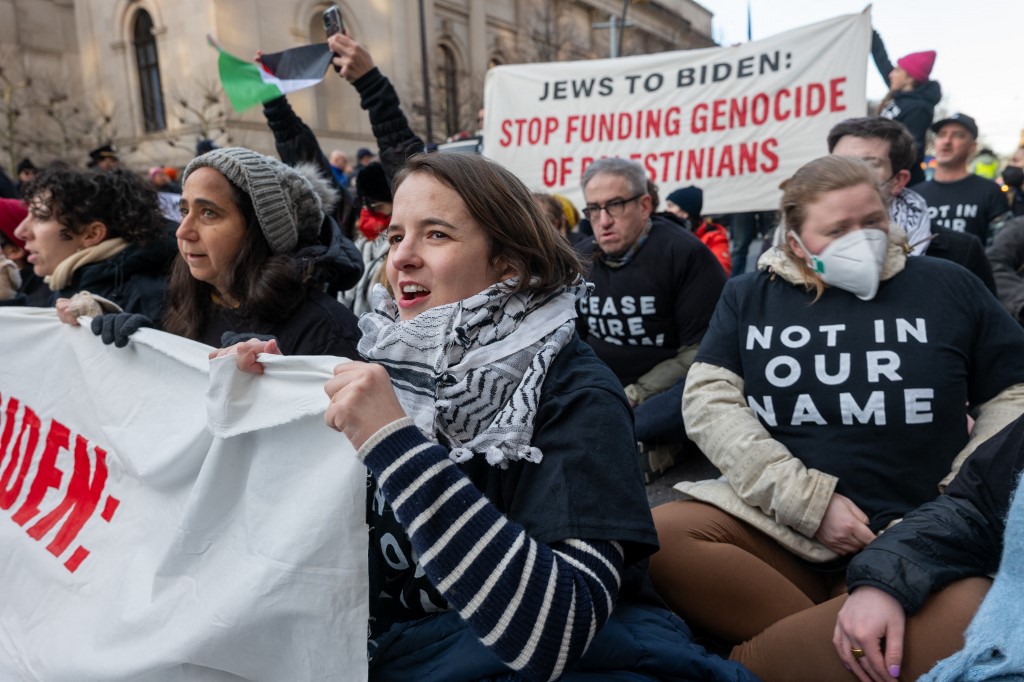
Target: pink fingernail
point(894, 670)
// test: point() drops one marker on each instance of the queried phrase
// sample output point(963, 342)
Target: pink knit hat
point(918, 65)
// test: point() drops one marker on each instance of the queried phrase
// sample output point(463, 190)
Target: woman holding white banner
point(508, 518)
point(98, 240)
point(832, 391)
point(249, 255)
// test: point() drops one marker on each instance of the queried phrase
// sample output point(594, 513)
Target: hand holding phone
point(332, 21)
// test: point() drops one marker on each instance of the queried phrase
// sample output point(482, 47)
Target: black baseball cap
point(963, 119)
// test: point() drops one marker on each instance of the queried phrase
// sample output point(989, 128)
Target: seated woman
point(245, 220)
point(832, 391)
point(507, 516)
point(99, 232)
point(914, 590)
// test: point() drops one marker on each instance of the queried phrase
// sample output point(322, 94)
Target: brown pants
point(729, 580)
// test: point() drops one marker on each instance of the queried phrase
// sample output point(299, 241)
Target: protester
point(888, 149)
point(248, 250)
point(168, 193)
point(205, 145)
point(832, 391)
point(1007, 257)
point(374, 195)
point(929, 574)
point(162, 180)
point(8, 190)
point(655, 287)
point(957, 198)
point(364, 157)
point(506, 511)
point(98, 240)
point(912, 96)
point(744, 229)
point(916, 587)
point(985, 164)
point(26, 171)
point(31, 290)
point(1013, 178)
point(687, 203)
point(104, 158)
point(339, 167)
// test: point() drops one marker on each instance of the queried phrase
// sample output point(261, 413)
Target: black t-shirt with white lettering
point(967, 205)
point(641, 313)
point(872, 392)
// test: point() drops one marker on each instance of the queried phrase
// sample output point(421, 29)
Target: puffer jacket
point(956, 536)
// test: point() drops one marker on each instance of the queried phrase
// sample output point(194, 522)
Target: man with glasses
point(888, 147)
point(656, 286)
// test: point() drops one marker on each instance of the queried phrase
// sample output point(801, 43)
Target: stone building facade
point(77, 73)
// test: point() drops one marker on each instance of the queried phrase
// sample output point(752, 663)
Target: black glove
point(115, 328)
point(231, 338)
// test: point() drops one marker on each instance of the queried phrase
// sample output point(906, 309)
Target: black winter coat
point(914, 109)
point(1007, 258)
point(962, 249)
point(135, 278)
point(296, 144)
point(956, 536)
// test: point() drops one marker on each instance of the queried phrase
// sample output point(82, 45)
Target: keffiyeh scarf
point(473, 370)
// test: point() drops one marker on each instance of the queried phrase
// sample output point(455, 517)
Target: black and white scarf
point(473, 370)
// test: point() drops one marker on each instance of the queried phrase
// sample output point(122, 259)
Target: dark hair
point(552, 209)
point(117, 198)
point(268, 288)
point(517, 233)
point(902, 149)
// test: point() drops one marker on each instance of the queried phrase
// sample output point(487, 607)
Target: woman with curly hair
point(100, 233)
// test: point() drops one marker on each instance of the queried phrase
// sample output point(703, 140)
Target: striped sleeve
point(536, 606)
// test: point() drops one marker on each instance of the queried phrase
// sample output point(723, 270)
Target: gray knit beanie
point(287, 206)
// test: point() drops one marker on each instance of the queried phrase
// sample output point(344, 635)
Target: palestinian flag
point(249, 83)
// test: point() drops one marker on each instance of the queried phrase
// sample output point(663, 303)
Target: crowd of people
point(531, 364)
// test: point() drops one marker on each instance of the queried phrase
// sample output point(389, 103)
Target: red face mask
point(373, 223)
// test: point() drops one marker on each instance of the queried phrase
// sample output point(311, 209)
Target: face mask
point(1013, 176)
point(853, 262)
point(373, 223)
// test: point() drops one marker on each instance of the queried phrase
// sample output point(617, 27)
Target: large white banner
point(163, 517)
point(735, 121)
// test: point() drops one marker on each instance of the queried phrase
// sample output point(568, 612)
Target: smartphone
point(332, 21)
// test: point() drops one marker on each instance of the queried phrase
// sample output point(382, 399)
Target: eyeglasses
point(613, 208)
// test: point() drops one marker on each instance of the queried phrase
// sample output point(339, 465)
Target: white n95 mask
point(853, 262)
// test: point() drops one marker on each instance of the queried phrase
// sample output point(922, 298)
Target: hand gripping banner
point(164, 517)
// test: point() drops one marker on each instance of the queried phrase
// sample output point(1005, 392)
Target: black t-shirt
point(320, 326)
point(967, 205)
point(641, 313)
point(587, 486)
point(872, 392)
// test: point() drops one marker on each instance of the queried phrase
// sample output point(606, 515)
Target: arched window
point(450, 80)
point(146, 60)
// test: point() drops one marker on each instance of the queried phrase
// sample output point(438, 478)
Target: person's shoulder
point(932, 269)
point(670, 232)
point(577, 367)
point(320, 305)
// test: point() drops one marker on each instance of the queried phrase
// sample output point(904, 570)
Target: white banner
point(164, 517)
point(735, 121)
